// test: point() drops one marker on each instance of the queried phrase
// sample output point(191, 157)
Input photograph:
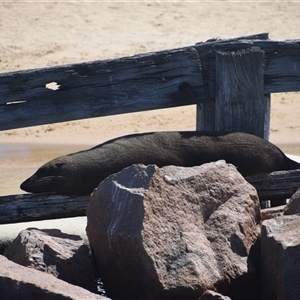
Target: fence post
point(240, 103)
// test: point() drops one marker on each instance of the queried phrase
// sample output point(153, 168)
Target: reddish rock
point(280, 250)
point(173, 233)
point(63, 255)
point(20, 283)
point(293, 207)
point(272, 212)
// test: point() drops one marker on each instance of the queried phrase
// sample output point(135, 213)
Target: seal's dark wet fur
point(79, 173)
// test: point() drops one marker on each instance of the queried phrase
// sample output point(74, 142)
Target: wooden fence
point(230, 81)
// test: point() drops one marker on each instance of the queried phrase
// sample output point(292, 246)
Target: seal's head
point(46, 179)
point(60, 176)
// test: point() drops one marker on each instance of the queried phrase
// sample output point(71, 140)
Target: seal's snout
point(34, 184)
point(27, 185)
point(43, 184)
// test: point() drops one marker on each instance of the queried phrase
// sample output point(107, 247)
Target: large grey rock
point(63, 255)
point(20, 283)
point(174, 232)
point(280, 250)
point(293, 207)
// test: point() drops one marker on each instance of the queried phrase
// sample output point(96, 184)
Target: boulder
point(19, 283)
point(280, 251)
point(174, 232)
point(293, 207)
point(63, 255)
point(76, 225)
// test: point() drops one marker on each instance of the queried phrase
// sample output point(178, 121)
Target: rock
point(18, 283)
point(280, 250)
point(76, 225)
point(293, 207)
point(173, 233)
point(211, 295)
point(272, 212)
point(63, 255)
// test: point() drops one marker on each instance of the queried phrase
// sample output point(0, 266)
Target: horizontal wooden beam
point(276, 185)
point(139, 83)
point(34, 207)
point(143, 82)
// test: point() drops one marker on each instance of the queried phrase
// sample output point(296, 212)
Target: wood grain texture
point(143, 82)
point(139, 83)
point(34, 207)
point(281, 62)
point(240, 103)
point(276, 185)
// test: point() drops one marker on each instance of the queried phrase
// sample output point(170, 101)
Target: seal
point(81, 172)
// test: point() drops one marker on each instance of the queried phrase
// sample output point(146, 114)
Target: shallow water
point(19, 161)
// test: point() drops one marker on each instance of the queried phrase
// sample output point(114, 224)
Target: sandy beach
point(43, 34)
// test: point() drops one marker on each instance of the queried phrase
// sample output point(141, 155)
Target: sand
point(42, 34)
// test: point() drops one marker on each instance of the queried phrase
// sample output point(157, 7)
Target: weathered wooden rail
point(230, 81)
point(163, 79)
